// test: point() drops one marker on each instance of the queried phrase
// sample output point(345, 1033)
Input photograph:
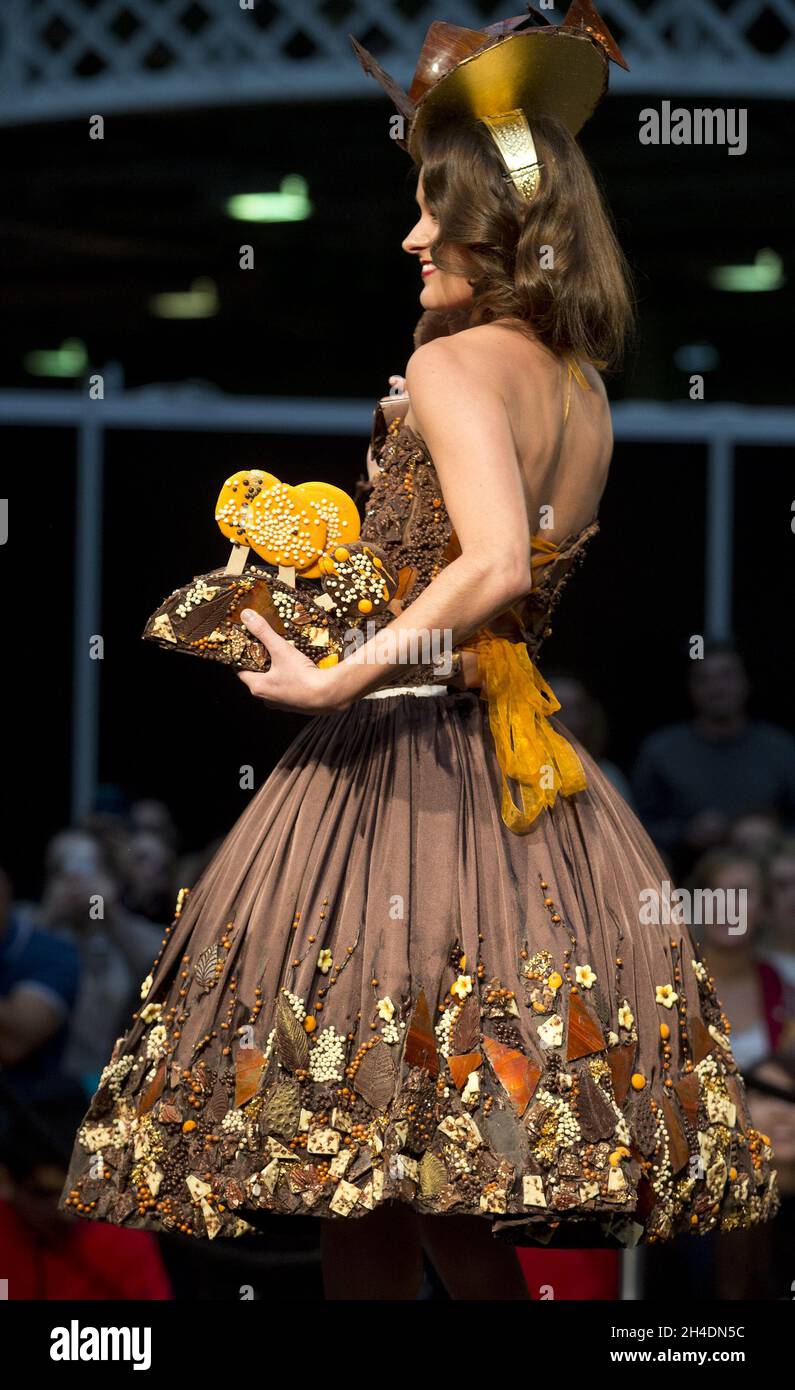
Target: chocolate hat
point(522, 64)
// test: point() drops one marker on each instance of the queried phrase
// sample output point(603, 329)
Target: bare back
point(562, 432)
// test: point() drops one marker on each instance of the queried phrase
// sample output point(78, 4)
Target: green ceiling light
point(199, 302)
point(69, 360)
point(766, 273)
point(290, 204)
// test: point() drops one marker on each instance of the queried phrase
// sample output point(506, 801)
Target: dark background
point(89, 230)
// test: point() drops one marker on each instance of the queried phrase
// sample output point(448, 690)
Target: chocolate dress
point(378, 991)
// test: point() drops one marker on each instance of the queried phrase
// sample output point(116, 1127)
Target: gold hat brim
point(543, 71)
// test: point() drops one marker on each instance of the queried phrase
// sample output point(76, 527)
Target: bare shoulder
point(475, 355)
point(463, 361)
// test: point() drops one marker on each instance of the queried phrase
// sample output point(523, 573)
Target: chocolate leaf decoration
point(687, 1090)
point(678, 1149)
point(701, 1041)
point(205, 971)
point(596, 1115)
point(292, 1043)
point(169, 1114)
point(282, 1110)
point(219, 1104)
point(466, 1029)
point(376, 1077)
point(645, 1125)
point(433, 1174)
point(600, 1005)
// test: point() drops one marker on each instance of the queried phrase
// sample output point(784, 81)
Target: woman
point(750, 988)
point(410, 994)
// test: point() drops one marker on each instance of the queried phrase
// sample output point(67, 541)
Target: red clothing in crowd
point(571, 1274)
point(91, 1261)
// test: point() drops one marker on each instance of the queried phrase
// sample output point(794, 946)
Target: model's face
point(441, 289)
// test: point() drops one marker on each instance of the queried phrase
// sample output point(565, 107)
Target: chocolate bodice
point(406, 517)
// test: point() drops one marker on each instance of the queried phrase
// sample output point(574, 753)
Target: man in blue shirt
point(38, 986)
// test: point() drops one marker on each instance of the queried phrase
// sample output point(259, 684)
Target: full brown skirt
point(377, 992)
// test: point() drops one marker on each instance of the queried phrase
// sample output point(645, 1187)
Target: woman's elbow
point(508, 578)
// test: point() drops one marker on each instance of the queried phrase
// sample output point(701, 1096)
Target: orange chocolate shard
point(259, 598)
point(621, 1061)
point(154, 1090)
point(516, 1073)
point(462, 1066)
point(420, 1050)
point(585, 1034)
point(406, 580)
point(249, 1062)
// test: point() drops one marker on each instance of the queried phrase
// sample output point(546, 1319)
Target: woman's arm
point(462, 417)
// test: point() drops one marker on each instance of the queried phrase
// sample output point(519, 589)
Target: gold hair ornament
point(511, 133)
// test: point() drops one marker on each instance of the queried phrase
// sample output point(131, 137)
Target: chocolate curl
point(583, 16)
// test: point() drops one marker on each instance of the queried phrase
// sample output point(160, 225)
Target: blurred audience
point(39, 976)
point(44, 1253)
point(82, 906)
point(585, 718)
point(750, 989)
point(148, 867)
point(779, 944)
point(691, 780)
point(758, 833)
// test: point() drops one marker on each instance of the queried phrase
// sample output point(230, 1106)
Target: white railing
point(67, 58)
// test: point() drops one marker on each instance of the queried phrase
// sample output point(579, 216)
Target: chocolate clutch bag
point(316, 585)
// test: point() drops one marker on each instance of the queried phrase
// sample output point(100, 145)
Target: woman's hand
point(293, 681)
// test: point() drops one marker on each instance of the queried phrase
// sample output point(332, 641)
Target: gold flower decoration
point(462, 987)
point(626, 1017)
point(666, 995)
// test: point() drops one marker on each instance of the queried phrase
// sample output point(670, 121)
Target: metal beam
point(165, 59)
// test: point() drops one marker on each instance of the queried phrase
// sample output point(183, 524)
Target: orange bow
point(529, 750)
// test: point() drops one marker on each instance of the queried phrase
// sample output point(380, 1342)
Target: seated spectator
point(148, 866)
point(757, 833)
point(779, 944)
point(748, 987)
point(38, 986)
point(44, 1253)
point(585, 717)
point(81, 905)
point(692, 779)
point(148, 814)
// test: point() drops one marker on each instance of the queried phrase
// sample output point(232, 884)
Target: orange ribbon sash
point(530, 752)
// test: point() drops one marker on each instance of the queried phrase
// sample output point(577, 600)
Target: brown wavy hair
point(585, 304)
